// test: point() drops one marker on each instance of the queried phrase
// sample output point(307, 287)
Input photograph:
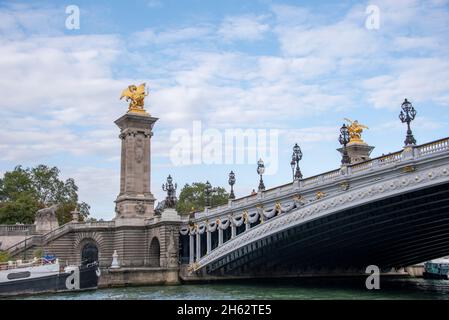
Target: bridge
point(391, 211)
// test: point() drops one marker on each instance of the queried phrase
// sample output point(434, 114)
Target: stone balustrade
point(17, 229)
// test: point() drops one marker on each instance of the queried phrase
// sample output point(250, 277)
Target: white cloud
point(292, 15)
point(419, 80)
point(249, 27)
point(98, 187)
point(403, 43)
point(338, 40)
point(311, 134)
point(153, 37)
point(64, 74)
point(39, 142)
point(18, 20)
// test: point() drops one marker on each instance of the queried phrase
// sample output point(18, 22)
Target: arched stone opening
point(89, 253)
point(154, 253)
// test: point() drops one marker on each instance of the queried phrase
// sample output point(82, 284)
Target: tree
point(15, 184)
point(193, 196)
point(21, 210)
point(24, 191)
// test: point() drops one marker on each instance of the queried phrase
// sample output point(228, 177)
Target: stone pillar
point(233, 230)
point(191, 249)
point(220, 237)
point(209, 245)
point(358, 152)
point(198, 247)
point(247, 226)
point(135, 202)
point(75, 216)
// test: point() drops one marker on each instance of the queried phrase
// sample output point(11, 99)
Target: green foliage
point(193, 196)
point(19, 210)
point(4, 256)
point(15, 184)
point(38, 253)
point(63, 212)
point(24, 191)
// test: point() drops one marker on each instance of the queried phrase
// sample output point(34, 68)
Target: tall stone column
point(191, 249)
point(198, 247)
point(208, 239)
point(135, 202)
point(220, 236)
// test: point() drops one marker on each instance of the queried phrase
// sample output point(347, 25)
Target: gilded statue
point(135, 95)
point(355, 131)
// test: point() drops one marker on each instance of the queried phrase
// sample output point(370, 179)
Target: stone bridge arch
point(89, 244)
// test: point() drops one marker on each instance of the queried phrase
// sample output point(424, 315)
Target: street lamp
point(170, 200)
point(231, 182)
point(207, 192)
point(260, 172)
point(407, 115)
point(344, 140)
point(296, 157)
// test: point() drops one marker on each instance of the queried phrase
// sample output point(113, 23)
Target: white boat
point(45, 275)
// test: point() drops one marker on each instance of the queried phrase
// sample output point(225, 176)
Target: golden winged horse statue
point(355, 131)
point(136, 96)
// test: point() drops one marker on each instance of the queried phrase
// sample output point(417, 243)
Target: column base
point(134, 207)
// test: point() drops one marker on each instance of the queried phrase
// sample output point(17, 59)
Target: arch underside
point(394, 232)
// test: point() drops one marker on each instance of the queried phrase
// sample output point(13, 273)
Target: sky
point(290, 71)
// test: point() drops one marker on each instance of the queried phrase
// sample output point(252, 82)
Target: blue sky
point(298, 67)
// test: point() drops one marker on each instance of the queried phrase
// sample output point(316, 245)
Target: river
point(397, 288)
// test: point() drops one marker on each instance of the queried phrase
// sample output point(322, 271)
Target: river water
point(398, 288)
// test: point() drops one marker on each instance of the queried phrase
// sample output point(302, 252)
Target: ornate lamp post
point(170, 200)
point(407, 115)
point(207, 192)
point(231, 182)
point(296, 157)
point(344, 140)
point(260, 172)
